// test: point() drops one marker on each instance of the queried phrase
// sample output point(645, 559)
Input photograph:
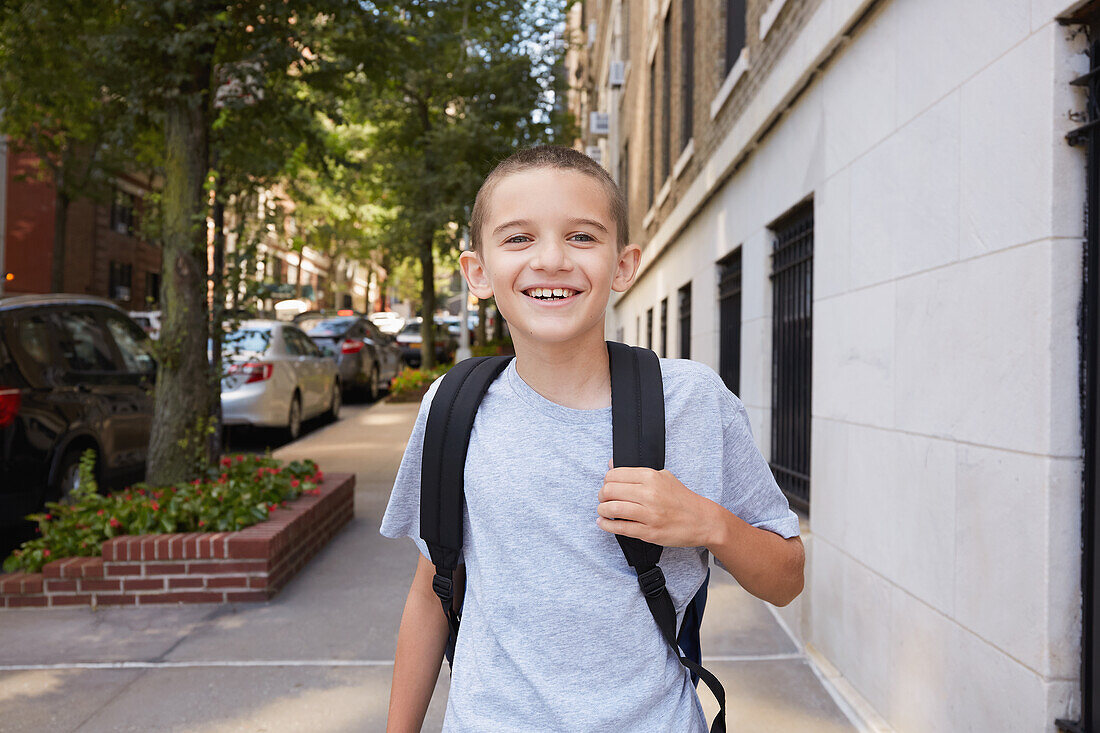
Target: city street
point(318, 657)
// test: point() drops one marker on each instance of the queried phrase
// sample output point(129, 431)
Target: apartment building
point(869, 217)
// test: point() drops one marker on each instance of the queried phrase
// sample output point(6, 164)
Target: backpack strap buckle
point(444, 587)
point(652, 581)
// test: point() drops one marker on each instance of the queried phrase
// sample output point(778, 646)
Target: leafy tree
point(56, 73)
point(449, 88)
point(173, 51)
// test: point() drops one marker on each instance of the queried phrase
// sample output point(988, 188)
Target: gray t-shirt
point(556, 634)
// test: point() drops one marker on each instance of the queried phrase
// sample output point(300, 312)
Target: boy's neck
point(574, 374)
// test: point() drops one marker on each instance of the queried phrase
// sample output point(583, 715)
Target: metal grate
point(792, 336)
point(685, 321)
point(664, 327)
point(729, 321)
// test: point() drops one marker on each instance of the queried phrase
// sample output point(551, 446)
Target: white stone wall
point(944, 529)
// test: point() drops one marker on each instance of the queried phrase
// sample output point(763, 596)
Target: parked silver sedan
point(275, 376)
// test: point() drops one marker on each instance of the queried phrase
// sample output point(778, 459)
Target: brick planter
point(252, 564)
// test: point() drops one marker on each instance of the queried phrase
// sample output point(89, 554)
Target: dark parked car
point(409, 339)
point(367, 359)
point(75, 373)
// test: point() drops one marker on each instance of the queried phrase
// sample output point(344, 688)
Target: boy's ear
point(476, 276)
point(627, 268)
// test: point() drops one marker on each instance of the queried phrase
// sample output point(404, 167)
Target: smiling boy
point(556, 634)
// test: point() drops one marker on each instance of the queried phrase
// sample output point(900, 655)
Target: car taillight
point(351, 346)
point(254, 371)
point(10, 400)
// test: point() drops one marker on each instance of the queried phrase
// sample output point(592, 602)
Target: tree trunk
point(427, 298)
point(217, 315)
point(482, 311)
point(498, 324)
point(60, 227)
point(177, 442)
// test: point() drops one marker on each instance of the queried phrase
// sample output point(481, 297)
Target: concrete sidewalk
point(318, 657)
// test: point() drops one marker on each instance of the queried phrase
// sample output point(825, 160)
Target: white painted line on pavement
point(307, 663)
point(220, 663)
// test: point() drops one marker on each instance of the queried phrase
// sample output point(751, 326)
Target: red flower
point(99, 513)
point(46, 553)
point(294, 483)
point(196, 482)
point(141, 491)
point(240, 458)
point(223, 478)
point(155, 506)
point(226, 461)
point(115, 522)
point(49, 517)
point(272, 507)
point(202, 523)
point(174, 489)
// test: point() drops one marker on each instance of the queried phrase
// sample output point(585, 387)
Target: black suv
point(75, 373)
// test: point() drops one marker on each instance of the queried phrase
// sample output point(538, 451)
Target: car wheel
point(372, 384)
point(68, 477)
point(294, 419)
point(333, 413)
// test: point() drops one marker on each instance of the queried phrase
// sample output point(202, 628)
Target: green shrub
point(240, 491)
point(411, 384)
point(493, 348)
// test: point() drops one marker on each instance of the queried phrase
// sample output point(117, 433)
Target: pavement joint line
point(310, 663)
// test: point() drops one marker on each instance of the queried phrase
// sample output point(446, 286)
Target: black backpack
point(638, 439)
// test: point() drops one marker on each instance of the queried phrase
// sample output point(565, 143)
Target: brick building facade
point(104, 252)
point(865, 215)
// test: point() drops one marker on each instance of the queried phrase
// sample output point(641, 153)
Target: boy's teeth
point(551, 292)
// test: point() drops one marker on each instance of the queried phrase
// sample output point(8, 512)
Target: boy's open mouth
point(551, 295)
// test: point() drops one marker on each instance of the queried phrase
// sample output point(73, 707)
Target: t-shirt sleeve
point(402, 517)
point(749, 489)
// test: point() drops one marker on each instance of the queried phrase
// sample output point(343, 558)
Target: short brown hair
point(550, 156)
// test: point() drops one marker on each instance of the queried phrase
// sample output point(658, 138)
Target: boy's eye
point(516, 239)
point(587, 237)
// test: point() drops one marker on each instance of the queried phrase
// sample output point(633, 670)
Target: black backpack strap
point(638, 439)
point(446, 440)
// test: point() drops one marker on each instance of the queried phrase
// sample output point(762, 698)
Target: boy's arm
point(656, 507)
point(766, 564)
point(421, 642)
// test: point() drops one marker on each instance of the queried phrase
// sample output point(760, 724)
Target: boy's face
point(550, 228)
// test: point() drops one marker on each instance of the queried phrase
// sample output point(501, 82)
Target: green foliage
point(494, 347)
point(242, 490)
point(411, 383)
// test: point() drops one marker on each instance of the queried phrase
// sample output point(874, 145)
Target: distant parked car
point(388, 322)
point(75, 373)
point(409, 338)
point(149, 322)
point(276, 377)
point(367, 359)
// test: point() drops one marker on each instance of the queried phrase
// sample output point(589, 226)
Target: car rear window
point(252, 340)
point(411, 328)
point(327, 326)
point(84, 344)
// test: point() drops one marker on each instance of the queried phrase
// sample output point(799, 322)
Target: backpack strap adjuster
point(444, 587)
point(652, 581)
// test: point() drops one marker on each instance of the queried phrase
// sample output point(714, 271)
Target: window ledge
point(649, 217)
point(738, 70)
point(767, 20)
point(663, 193)
point(685, 158)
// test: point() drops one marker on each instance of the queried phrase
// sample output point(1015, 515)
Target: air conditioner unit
point(593, 152)
point(616, 75)
point(599, 123)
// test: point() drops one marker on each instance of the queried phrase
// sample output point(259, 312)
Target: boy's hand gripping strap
point(638, 439)
point(446, 439)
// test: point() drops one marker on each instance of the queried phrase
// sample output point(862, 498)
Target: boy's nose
point(551, 255)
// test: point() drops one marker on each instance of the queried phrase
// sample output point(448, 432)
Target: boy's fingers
point(613, 491)
point(621, 510)
point(619, 526)
point(628, 474)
